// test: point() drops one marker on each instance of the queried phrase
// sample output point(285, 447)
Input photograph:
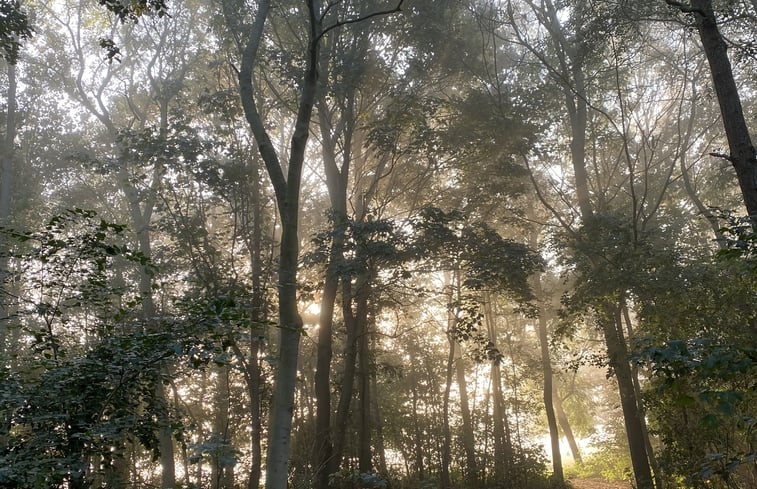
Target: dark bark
point(222, 474)
point(548, 389)
point(336, 182)
point(348, 376)
point(617, 353)
point(656, 473)
point(742, 156)
point(323, 449)
point(8, 147)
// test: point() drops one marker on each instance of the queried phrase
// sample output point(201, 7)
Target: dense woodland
point(378, 243)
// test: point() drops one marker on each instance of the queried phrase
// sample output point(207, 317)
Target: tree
point(743, 155)
point(287, 191)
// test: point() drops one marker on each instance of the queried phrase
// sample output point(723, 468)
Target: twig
point(721, 155)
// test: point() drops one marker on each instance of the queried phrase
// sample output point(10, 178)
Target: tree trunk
point(618, 357)
point(323, 448)
point(222, 473)
point(257, 330)
point(365, 464)
point(7, 153)
point(644, 430)
point(548, 389)
point(290, 324)
point(565, 425)
point(742, 156)
point(336, 181)
point(417, 437)
point(468, 435)
point(341, 420)
point(571, 50)
point(446, 452)
point(502, 444)
point(141, 209)
point(8, 148)
point(287, 190)
point(378, 426)
point(554, 436)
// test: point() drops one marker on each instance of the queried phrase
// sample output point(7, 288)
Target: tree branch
point(687, 9)
point(340, 23)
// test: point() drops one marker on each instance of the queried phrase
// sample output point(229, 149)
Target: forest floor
point(598, 484)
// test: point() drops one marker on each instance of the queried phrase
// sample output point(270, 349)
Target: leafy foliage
point(86, 384)
point(14, 28)
point(702, 360)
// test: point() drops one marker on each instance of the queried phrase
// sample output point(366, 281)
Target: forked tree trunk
point(336, 182)
point(287, 190)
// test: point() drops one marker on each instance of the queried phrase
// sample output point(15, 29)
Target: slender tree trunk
point(742, 156)
point(256, 428)
point(8, 148)
point(644, 430)
point(579, 115)
point(446, 449)
point(617, 352)
point(336, 180)
point(257, 331)
point(7, 153)
point(576, 102)
point(323, 447)
point(565, 425)
point(468, 435)
point(222, 473)
point(141, 209)
point(554, 435)
point(378, 425)
point(365, 464)
point(548, 389)
point(502, 444)
point(341, 420)
point(417, 437)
